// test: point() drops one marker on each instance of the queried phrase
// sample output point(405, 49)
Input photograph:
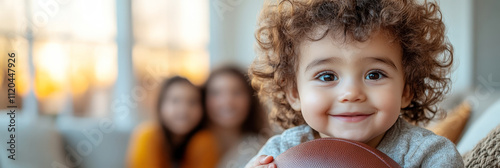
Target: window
point(73, 47)
point(171, 37)
point(74, 61)
point(11, 41)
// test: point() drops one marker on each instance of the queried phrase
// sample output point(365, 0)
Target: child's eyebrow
point(328, 60)
point(383, 60)
point(322, 61)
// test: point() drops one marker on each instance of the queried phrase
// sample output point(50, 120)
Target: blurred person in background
point(163, 143)
point(236, 123)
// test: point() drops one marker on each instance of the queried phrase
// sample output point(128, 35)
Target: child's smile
point(351, 90)
point(352, 116)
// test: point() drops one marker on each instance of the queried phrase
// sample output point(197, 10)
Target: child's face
point(353, 91)
point(181, 108)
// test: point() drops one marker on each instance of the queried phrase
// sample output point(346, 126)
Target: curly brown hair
point(417, 27)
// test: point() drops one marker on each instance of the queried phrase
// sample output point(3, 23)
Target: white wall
point(232, 27)
point(487, 44)
point(458, 18)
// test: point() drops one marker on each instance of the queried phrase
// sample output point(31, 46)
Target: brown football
point(333, 152)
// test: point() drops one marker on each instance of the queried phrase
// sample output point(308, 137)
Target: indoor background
point(81, 63)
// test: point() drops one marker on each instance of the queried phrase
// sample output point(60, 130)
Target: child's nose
point(352, 93)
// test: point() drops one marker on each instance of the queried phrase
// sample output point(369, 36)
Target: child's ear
point(292, 96)
point(406, 97)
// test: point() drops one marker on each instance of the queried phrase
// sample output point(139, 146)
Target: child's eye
point(375, 75)
point(327, 76)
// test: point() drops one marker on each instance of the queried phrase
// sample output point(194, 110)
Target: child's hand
point(263, 161)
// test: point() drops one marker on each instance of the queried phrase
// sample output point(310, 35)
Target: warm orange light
point(106, 68)
point(1, 75)
point(195, 66)
point(51, 62)
point(79, 83)
point(45, 85)
point(148, 59)
point(22, 83)
point(53, 59)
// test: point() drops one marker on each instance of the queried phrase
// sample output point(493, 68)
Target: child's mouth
point(351, 117)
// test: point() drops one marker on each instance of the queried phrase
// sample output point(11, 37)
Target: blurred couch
point(46, 141)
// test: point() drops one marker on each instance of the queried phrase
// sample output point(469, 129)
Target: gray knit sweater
point(408, 145)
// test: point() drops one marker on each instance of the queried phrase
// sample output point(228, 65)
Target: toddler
point(355, 69)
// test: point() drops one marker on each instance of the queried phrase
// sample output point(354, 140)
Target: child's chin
point(352, 137)
point(357, 139)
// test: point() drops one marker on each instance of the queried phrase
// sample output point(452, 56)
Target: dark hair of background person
point(176, 152)
point(256, 119)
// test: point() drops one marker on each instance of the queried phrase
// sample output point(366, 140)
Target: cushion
point(453, 125)
point(487, 151)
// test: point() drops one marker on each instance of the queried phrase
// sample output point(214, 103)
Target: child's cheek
point(315, 104)
point(386, 100)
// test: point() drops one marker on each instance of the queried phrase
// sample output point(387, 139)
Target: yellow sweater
point(146, 149)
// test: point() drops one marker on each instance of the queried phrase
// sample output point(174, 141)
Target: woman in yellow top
point(236, 126)
point(163, 143)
